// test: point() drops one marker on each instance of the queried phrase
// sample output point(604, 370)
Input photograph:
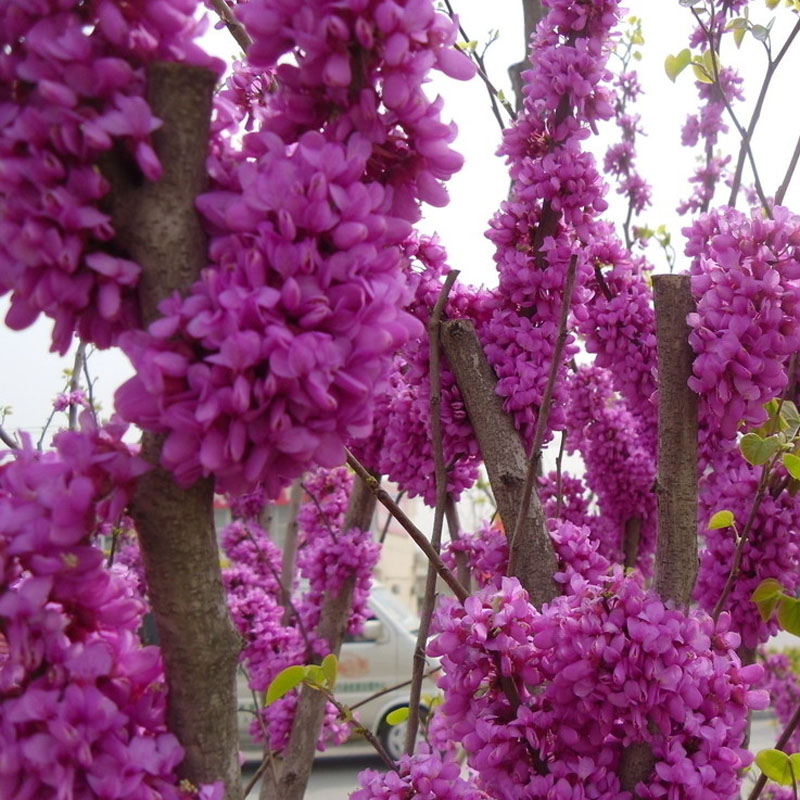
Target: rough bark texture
point(676, 555)
point(290, 548)
point(158, 227)
point(532, 12)
point(505, 459)
point(333, 622)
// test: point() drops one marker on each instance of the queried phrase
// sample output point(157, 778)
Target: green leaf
point(792, 464)
point(791, 416)
point(789, 614)
point(766, 597)
point(286, 680)
point(760, 33)
point(738, 36)
point(775, 765)
point(757, 450)
point(315, 676)
point(722, 519)
point(700, 73)
point(397, 716)
point(329, 666)
point(736, 24)
point(674, 65)
point(772, 4)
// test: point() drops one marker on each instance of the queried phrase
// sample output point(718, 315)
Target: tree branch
point(233, 25)
point(440, 472)
point(504, 456)
point(384, 498)
point(544, 414)
point(676, 553)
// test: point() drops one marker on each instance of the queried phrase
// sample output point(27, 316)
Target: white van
point(376, 661)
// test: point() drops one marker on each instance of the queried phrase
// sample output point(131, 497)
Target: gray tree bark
point(158, 227)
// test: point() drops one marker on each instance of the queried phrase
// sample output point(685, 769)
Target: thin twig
point(787, 178)
point(75, 383)
point(440, 474)
point(325, 519)
point(389, 690)
point(262, 768)
point(345, 713)
point(389, 517)
point(494, 95)
point(235, 27)
point(547, 400)
point(743, 539)
point(559, 459)
point(773, 65)
point(384, 498)
point(454, 529)
point(89, 385)
point(7, 439)
point(732, 114)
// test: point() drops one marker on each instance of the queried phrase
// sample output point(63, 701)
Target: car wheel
point(393, 737)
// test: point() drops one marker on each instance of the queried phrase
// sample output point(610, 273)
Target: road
point(335, 775)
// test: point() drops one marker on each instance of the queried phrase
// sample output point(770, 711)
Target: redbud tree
point(252, 237)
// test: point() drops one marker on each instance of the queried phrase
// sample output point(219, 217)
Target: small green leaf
point(397, 716)
point(700, 73)
point(791, 416)
point(766, 597)
point(789, 614)
point(315, 677)
point(757, 450)
point(722, 519)
point(329, 666)
point(637, 54)
point(286, 680)
point(792, 464)
point(775, 765)
point(736, 24)
point(760, 33)
point(674, 65)
point(772, 4)
point(738, 36)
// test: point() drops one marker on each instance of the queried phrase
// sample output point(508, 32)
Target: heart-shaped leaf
point(775, 765)
point(329, 667)
point(674, 65)
point(792, 464)
point(397, 716)
point(722, 519)
point(758, 450)
point(789, 614)
point(766, 597)
point(286, 680)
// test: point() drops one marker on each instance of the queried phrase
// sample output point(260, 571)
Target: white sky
point(31, 376)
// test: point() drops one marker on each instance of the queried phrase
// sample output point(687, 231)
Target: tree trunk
point(505, 459)
point(158, 227)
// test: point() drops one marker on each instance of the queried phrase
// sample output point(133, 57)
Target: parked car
point(377, 661)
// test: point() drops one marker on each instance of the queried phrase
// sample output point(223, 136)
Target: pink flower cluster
point(72, 89)
point(425, 775)
point(272, 361)
point(619, 328)
point(401, 447)
point(593, 673)
point(272, 641)
point(783, 685)
point(746, 281)
point(82, 704)
point(620, 469)
point(772, 550)
point(66, 399)
point(556, 196)
point(707, 125)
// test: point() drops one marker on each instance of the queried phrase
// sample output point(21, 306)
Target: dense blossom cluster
point(556, 196)
point(746, 281)
point(274, 639)
point(426, 775)
point(82, 704)
point(619, 468)
point(706, 126)
point(272, 361)
point(594, 672)
point(772, 549)
point(401, 447)
point(783, 684)
point(72, 90)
